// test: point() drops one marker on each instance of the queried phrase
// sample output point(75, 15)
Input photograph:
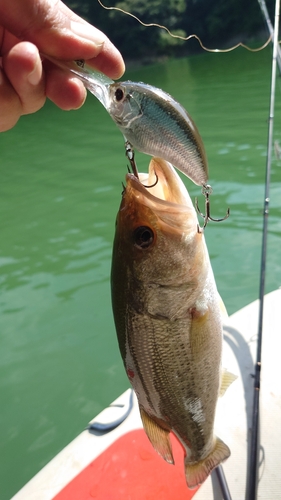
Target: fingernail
point(88, 32)
point(35, 76)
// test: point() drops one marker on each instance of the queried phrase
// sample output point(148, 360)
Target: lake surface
point(61, 175)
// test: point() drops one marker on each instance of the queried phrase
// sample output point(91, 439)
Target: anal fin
point(197, 472)
point(159, 437)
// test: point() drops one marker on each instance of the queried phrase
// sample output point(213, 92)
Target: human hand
point(48, 26)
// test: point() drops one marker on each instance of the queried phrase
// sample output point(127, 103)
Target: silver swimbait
point(151, 120)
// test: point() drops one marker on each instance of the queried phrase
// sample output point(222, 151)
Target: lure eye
point(119, 94)
point(143, 237)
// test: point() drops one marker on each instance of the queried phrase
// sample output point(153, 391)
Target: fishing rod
point(223, 483)
point(252, 479)
point(270, 30)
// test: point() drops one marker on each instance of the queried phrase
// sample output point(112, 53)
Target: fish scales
point(167, 316)
point(169, 382)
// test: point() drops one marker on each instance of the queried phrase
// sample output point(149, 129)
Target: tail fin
point(197, 472)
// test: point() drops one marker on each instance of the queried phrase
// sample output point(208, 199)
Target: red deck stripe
point(130, 470)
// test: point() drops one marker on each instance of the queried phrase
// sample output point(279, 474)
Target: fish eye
point(119, 94)
point(143, 236)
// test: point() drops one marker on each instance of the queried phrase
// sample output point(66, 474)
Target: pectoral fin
point(226, 380)
point(159, 437)
point(196, 473)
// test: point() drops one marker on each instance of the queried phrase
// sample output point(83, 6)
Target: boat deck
point(120, 464)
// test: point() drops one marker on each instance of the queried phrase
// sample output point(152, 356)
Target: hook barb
point(207, 191)
point(154, 184)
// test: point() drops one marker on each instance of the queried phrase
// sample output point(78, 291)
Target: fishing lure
point(151, 120)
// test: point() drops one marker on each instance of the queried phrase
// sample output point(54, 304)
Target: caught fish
point(168, 318)
point(151, 120)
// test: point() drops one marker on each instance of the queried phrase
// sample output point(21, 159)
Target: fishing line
point(252, 479)
point(155, 25)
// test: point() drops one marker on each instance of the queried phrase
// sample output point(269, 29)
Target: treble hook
point(207, 191)
point(152, 185)
point(131, 157)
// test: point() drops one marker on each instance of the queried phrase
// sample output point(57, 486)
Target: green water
point(60, 189)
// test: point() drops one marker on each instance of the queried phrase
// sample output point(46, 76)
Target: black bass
point(168, 318)
point(151, 120)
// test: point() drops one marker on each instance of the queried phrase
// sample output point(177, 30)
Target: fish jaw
point(162, 193)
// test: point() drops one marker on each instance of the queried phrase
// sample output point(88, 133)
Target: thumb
point(54, 29)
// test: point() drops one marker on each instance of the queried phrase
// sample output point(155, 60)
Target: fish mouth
point(164, 193)
point(97, 83)
point(161, 184)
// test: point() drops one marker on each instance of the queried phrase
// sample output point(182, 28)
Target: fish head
point(124, 104)
point(156, 230)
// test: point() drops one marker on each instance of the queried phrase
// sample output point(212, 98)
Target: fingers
point(109, 61)
point(9, 104)
point(22, 84)
point(65, 90)
point(23, 68)
point(58, 32)
point(55, 30)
